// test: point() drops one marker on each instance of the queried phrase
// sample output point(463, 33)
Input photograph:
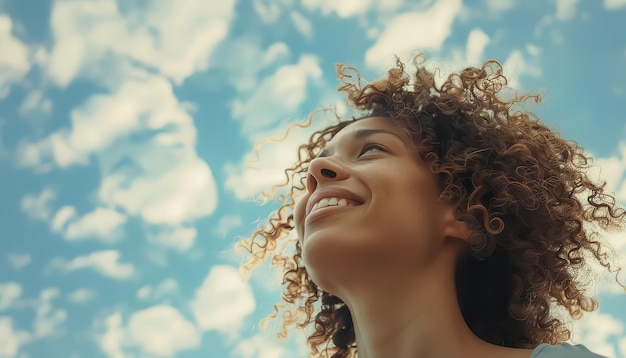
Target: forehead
point(370, 123)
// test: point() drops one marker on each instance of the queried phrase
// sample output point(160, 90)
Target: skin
point(390, 257)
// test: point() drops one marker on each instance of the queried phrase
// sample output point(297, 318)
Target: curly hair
point(524, 192)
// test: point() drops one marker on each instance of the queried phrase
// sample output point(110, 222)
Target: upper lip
point(331, 192)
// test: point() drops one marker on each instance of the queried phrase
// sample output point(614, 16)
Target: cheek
point(300, 211)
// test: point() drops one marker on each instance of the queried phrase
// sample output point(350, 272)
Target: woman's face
point(371, 202)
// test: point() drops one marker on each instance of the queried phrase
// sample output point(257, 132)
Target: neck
point(406, 317)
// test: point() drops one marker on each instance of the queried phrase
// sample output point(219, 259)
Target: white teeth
point(330, 202)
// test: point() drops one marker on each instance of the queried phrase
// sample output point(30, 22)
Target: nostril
point(329, 173)
point(311, 183)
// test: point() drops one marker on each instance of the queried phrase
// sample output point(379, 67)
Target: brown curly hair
point(521, 188)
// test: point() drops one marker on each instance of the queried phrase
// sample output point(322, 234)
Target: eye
point(372, 146)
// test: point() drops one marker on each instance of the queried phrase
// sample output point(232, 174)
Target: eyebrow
point(360, 134)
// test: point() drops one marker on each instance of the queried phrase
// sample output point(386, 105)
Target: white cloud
point(38, 207)
point(81, 295)
point(158, 331)
point(566, 9)
point(389, 5)
point(344, 9)
point(86, 34)
point(274, 52)
point(105, 262)
point(517, 65)
point(111, 340)
point(256, 174)
point(161, 330)
point(500, 6)
point(139, 104)
point(223, 301)
point(177, 187)
point(14, 57)
point(612, 170)
point(278, 96)
point(413, 31)
point(10, 339)
point(104, 224)
point(10, 292)
point(596, 330)
point(165, 288)
point(614, 4)
point(178, 237)
point(19, 261)
point(160, 178)
point(302, 24)
point(48, 320)
point(476, 43)
point(226, 224)
point(259, 347)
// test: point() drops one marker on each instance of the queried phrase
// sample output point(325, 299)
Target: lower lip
point(325, 211)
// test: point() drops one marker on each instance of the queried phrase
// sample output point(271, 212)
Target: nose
point(323, 170)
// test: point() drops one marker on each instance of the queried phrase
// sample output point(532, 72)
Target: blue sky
point(127, 134)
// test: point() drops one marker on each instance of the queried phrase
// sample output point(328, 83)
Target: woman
point(443, 222)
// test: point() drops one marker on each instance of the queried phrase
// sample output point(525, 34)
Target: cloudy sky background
point(127, 132)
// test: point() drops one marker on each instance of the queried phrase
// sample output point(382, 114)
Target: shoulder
point(564, 350)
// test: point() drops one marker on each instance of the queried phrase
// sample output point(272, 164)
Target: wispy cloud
point(180, 238)
point(105, 262)
point(81, 295)
point(10, 292)
point(277, 97)
point(302, 24)
point(104, 224)
point(343, 9)
point(48, 319)
point(15, 61)
point(226, 224)
point(19, 261)
point(258, 172)
point(614, 4)
point(38, 206)
point(499, 6)
point(165, 288)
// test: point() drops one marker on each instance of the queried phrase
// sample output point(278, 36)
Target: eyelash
point(372, 145)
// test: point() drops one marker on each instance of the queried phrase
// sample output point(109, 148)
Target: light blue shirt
point(564, 350)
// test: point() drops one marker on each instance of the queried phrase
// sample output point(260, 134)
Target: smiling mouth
point(326, 202)
point(331, 197)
